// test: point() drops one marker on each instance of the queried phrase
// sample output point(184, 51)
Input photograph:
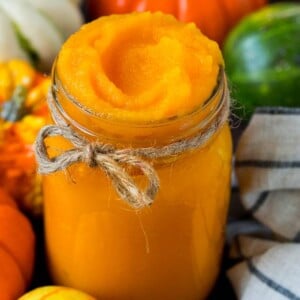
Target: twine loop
point(114, 161)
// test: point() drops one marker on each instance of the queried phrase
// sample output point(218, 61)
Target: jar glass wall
point(170, 250)
point(137, 83)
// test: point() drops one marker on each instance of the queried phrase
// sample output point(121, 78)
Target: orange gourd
point(214, 17)
point(5, 199)
point(23, 112)
point(17, 243)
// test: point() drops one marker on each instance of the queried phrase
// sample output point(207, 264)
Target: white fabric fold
point(268, 173)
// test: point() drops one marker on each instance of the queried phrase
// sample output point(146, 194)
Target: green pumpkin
point(262, 57)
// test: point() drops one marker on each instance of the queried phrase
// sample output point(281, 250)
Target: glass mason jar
point(170, 250)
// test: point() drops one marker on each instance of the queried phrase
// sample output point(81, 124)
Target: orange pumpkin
point(23, 112)
point(16, 249)
point(214, 17)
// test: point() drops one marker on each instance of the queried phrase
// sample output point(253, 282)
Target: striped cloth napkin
point(268, 175)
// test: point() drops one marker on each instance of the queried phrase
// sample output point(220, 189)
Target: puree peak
point(139, 67)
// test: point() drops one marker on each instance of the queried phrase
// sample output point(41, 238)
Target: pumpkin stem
point(14, 109)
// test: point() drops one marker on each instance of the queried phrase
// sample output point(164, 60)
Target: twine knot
point(91, 150)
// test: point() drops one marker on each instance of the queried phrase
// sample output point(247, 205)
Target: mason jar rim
point(110, 118)
point(181, 126)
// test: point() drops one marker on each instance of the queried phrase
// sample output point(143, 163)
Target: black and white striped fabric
point(268, 173)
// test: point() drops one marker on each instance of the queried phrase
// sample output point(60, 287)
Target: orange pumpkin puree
point(142, 67)
point(138, 70)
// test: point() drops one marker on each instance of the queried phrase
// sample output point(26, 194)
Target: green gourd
point(262, 57)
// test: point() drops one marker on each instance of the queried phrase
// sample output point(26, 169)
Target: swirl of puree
point(139, 67)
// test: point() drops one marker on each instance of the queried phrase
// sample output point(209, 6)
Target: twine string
point(114, 161)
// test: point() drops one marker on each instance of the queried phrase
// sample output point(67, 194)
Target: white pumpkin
point(35, 29)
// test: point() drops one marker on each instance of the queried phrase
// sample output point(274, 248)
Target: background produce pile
point(261, 46)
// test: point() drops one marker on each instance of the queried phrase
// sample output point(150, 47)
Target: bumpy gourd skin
point(139, 67)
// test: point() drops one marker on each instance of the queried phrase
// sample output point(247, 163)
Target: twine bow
point(112, 160)
point(102, 156)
